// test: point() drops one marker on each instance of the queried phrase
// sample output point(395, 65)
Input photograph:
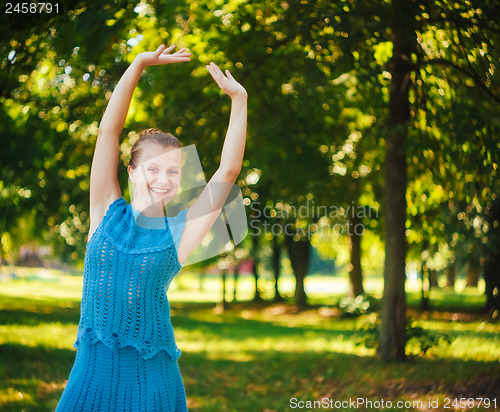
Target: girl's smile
point(157, 176)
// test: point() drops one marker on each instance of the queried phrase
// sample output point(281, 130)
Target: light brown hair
point(151, 136)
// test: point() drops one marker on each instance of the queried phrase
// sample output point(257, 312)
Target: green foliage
point(283, 53)
point(419, 340)
point(52, 95)
point(368, 331)
point(356, 306)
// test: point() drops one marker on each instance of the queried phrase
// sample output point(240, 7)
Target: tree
point(393, 311)
point(458, 59)
point(459, 38)
point(51, 100)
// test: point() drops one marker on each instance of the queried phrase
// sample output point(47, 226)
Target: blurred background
point(370, 183)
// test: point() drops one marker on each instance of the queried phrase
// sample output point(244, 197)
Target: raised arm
point(201, 216)
point(104, 187)
point(234, 143)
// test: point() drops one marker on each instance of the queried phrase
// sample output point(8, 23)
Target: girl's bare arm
point(104, 187)
point(201, 216)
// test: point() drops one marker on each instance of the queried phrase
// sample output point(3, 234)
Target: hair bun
point(151, 130)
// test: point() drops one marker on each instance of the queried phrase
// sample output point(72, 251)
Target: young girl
point(126, 357)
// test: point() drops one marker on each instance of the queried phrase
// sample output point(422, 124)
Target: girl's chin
point(161, 196)
point(150, 199)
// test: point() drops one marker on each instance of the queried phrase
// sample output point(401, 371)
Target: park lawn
point(265, 357)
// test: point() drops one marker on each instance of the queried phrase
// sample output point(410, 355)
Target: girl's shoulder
point(104, 215)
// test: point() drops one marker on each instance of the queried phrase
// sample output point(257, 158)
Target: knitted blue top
point(130, 261)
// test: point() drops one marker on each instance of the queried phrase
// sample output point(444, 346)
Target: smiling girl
point(126, 357)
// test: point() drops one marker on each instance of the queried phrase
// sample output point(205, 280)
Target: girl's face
point(157, 176)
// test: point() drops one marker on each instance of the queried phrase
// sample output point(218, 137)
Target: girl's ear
point(131, 174)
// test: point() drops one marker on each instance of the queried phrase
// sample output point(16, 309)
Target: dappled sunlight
point(249, 357)
point(47, 335)
point(12, 396)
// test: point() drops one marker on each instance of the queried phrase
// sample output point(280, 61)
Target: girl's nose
point(163, 177)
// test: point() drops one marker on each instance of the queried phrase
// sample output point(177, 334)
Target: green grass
point(254, 357)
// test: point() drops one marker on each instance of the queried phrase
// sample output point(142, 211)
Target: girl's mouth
point(159, 191)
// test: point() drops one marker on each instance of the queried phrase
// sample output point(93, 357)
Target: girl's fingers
point(212, 67)
point(218, 71)
point(159, 50)
point(181, 54)
point(214, 75)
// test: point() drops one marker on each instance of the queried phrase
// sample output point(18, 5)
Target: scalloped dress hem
point(120, 379)
point(146, 349)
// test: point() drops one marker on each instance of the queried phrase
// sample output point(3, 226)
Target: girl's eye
point(152, 169)
point(173, 172)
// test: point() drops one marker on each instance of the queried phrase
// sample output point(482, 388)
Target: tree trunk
point(433, 279)
point(236, 275)
point(255, 249)
point(472, 274)
point(424, 296)
point(277, 268)
point(424, 277)
point(355, 271)
point(492, 283)
point(492, 262)
point(393, 312)
point(223, 303)
point(451, 275)
point(299, 253)
point(201, 283)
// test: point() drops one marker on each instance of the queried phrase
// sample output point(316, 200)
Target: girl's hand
point(162, 55)
point(226, 82)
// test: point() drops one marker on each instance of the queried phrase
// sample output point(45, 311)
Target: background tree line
point(389, 106)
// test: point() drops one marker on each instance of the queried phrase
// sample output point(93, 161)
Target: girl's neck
point(148, 209)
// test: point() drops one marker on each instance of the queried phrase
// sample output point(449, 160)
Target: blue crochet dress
point(126, 358)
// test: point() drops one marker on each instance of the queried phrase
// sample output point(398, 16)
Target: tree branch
point(470, 74)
